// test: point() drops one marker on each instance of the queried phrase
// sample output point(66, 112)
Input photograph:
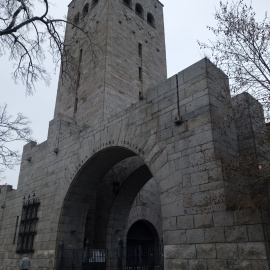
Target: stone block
point(236, 234)
point(224, 218)
point(176, 264)
point(173, 209)
point(195, 236)
point(199, 178)
point(247, 216)
point(164, 103)
point(260, 265)
point(185, 222)
point(195, 70)
point(255, 251)
point(206, 251)
point(255, 233)
point(202, 199)
point(227, 250)
point(215, 174)
point(170, 181)
point(172, 195)
point(187, 251)
point(175, 237)
point(203, 220)
point(239, 265)
point(164, 86)
point(214, 235)
point(171, 251)
point(169, 223)
point(196, 87)
point(199, 120)
point(197, 265)
point(186, 181)
point(201, 138)
point(217, 264)
point(197, 104)
point(181, 163)
point(166, 133)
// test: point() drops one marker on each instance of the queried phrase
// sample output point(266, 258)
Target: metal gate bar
point(82, 259)
point(144, 257)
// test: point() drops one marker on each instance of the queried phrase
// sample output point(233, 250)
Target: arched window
point(139, 10)
point(127, 2)
point(76, 18)
point(151, 19)
point(85, 9)
point(94, 2)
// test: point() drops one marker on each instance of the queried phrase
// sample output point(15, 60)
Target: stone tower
point(125, 57)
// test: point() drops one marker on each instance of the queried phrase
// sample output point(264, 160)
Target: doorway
point(143, 248)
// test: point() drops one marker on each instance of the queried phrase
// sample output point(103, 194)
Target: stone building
point(134, 160)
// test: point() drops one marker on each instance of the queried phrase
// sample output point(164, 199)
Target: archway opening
point(142, 233)
point(143, 250)
point(97, 210)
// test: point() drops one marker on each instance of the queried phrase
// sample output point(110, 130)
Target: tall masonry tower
point(124, 56)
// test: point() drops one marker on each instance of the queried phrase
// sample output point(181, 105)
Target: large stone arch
point(89, 169)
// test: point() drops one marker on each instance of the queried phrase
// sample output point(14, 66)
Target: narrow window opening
point(140, 95)
point(127, 2)
point(76, 105)
point(139, 10)
point(151, 19)
point(76, 18)
point(140, 49)
point(94, 2)
point(85, 10)
point(80, 57)
point(78, 82)
point(15, 233)
point(140, 73)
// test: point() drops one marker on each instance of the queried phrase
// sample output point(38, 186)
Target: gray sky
point(185, 23)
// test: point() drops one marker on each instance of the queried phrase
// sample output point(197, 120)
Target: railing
point(132, 258)
point(82, 259)
point(144, 257)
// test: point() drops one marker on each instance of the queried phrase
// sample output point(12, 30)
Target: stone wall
point(68, 171)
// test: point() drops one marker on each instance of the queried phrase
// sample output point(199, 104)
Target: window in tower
point(139, 10)
point(140, 73)
point(140, 49)
point(127, 2)
point(94, 2)
point(85, 9)
point(150, 19)
point(76, 18)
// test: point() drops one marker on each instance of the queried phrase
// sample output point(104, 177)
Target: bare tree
point(242, 49)
point(11, 129)
point(26, 36)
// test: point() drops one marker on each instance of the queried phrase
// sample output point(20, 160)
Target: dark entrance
point(97, 208)
point(143, 250)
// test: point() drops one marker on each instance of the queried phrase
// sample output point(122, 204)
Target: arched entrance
point(143, 248)
point(97, 206)
point(142, 233)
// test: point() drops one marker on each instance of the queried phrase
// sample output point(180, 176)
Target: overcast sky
point(185, 23)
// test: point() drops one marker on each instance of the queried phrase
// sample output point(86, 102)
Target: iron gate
point(144, 258)
point(82, 259)
point(133, 258)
